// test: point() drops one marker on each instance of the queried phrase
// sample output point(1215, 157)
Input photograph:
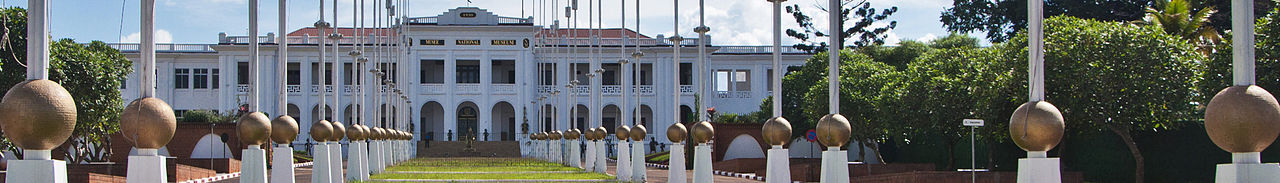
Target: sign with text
point(503, 42)
point(431, 42)
point(467, 42)
point(974, 122)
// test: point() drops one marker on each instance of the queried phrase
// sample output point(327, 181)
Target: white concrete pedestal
point(320, 164)
point(386, 155)
point(624, 161)
point(253, 165)
point(1038, 168)
point(37, 166)
point(375, 157)
point(702, 163)
point(778, 166)
point(282, 164)
point(590, 163)
point(575, 154)
point(637, 161)
point(601, 155)
point(147, 166)
point(335, 161)
point(356, 163)
point(835, 165)
point(1247, 167)
point(675, 164)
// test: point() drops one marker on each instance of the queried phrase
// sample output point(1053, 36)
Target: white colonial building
point(468, 69)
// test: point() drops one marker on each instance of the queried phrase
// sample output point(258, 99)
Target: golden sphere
point(37, 114)
point(638, 132)
point(622, 132)
point(537, 136)
point(1242, 119)
point(378, 133)
point(533, 136)
point(573, 134)
point(703, 132)
point(677, 133)
point(321, 130)
point(556, 135)
point(590, 134)
point(833, 130)
point(355, 132)
point(254, 129)
point(284, 129)
point(1036, 126)
point(339, 131)
point(776, 131)
point(148, 123)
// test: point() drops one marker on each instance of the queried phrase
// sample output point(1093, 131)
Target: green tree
point(864, 27)
point(861, 81)
point(1217, 74)
point(1002, 19)
point(1119, 78)
point(92, 72)
point(1177, 18)
point(896, 56)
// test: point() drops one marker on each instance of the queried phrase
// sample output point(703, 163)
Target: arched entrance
point(467, 127)
point(686, 114)
point(611, 113)
point(582, 117)
point(504, 119)
point(349, 113)
point(384, 113)
point(432, 121)
point(548, 112)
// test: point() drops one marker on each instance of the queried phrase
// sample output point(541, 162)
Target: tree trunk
point(951, 154)
point(991, 154)
point(875, 148)
point(861, 153)
point(1139, 169)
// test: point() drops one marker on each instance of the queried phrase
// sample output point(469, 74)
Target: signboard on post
point(974, 122)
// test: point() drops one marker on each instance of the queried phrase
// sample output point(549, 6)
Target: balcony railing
point(467, 88)
point(503, 88)
point(327, 89)
point(293, 89)
point(433, 88)
point(687, 90)
point(163, 47)
point(308, 39)
point(242, 89)
point(733, 94)
point(349, 89)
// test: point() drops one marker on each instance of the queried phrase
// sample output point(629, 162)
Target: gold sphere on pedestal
point(834, 130)
point(573, 134)
point(1036, 126)
point(602, 132)
point(623, 132)
point(703, 132)
point(284, 129)
point(359, 132)
point(677, 133)
point(321, 130)
point(339, 131)
point(37, 115)
point(638, 132)
point(148, 123)
point(776, 131)
point(556, 135)
point(1242, 119)
point(254, 129)
point(378, 133)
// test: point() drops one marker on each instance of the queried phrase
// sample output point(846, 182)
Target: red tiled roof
point(344, 31)
point(605, 33)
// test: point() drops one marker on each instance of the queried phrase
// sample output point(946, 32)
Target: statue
point(486, 134)
point(450, 135)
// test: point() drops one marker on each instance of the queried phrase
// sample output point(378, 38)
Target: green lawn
point(487, 169)
point(494, 176)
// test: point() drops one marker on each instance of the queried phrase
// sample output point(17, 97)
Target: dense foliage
point(91, 72)
point(1002, 19)
point(864, 27)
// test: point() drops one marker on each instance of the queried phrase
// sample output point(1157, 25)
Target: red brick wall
point(184, 140)
point(949, 176)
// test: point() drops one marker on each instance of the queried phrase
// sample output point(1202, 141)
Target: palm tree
point(1177, 18)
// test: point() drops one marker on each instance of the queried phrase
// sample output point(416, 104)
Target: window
point(432, 71)
point(181, 78)
point(468, 74)
point(124, 82)
point(741, 80)
point(315, 74)
point(391, 74)
point(179, 113)
point(503, 71)
point(347, 73)
point(548, 73)
point(722, 80)
point(769, 80)
point(686, 74)
point(242, 73)
point(293, 73)
point(200, 78)
point(216, 79)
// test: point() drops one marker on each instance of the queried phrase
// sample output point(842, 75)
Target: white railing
point(611, 90)
point(293, 89)
point(350, 89)
point(733, 94)
point(163, 47)
point(546, 88)
point(433, 88)
point(242, 89)
point(504, 89)
point(467, 88)
point(755, 50)
point(327, 89)
point(687, 90)
point(308, 39)
point(582, 90)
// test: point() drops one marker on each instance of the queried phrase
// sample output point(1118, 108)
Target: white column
point(637, 161)
point(282, 159)
point(335, 153)
point(675, 164)
point(253, 167)
point(146, 166)
point(702, 163)
point(624, 160)
point(835, 165)
point(1039, 168)
point(37, 165)
point(778, 166)
point(320, 163)
point(356, 166)
point(590, 163)
point(601, 155)
point(575, 154)
point(375, 157)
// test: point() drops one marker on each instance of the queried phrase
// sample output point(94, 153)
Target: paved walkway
point(303, 174)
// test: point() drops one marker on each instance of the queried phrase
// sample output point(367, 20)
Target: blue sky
point(733, 22)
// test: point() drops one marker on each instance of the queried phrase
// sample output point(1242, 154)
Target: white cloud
point(891, 38)
point(161, 36)
point(927, 37)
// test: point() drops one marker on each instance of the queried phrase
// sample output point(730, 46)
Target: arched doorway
point(467, 116)
point(504, 119)
point(432, 121)
point(384, 114)
point(315, 113)
point(611, 113)
point(548, 112)
point(645, 118)
point(687, 115)
point(349, 114)
point(293, 111)
point(582, 118)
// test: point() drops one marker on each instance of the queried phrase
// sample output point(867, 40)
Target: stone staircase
point(459, 149)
